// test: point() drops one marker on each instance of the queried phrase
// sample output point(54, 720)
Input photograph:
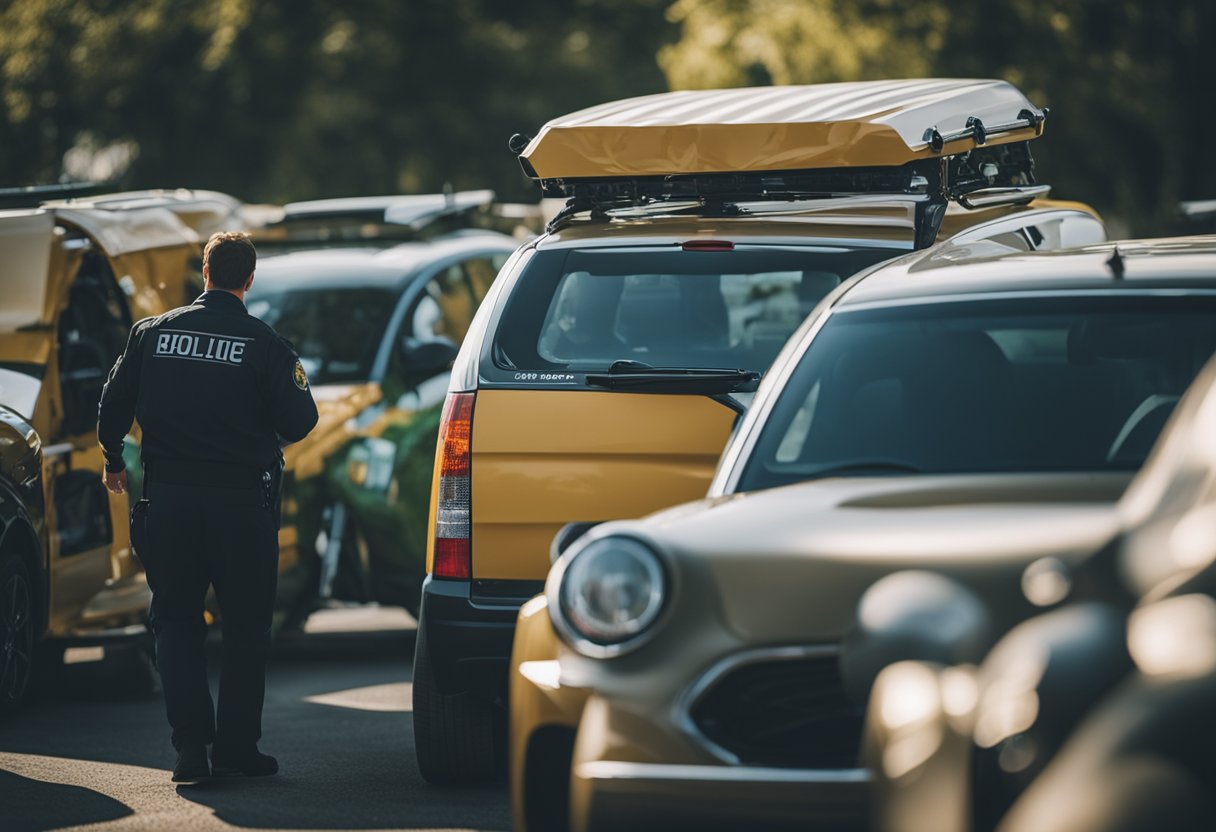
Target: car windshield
point(1043, 384)
point(583, 310)
point(336, 331)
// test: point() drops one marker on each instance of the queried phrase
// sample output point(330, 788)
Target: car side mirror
point(426, 358)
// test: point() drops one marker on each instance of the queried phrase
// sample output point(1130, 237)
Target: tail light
point(453, 552)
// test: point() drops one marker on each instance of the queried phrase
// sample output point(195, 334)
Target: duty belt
point(207, 474)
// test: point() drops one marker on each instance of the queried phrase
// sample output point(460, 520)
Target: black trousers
point(190, 538)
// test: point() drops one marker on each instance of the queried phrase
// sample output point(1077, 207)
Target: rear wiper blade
point(635, 375)
point(861, 466)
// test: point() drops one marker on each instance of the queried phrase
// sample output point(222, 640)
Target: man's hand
point(116, 482)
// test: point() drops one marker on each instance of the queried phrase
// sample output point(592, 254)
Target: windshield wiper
point(863, 466)
point(635, 375)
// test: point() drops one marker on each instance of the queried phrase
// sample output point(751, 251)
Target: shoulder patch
point(299, 376)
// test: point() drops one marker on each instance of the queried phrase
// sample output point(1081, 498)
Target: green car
point(376, 329)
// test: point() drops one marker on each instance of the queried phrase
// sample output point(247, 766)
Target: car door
point(89, 537)
point(393, 461)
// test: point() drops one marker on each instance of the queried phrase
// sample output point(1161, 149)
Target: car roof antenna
point(1116, 265)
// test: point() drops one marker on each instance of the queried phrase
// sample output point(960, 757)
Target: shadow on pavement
point(337, 717)
point(32, 805)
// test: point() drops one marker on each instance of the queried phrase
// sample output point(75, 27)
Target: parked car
point(74, 280)
point(605, 371)
point(377, 329)
point(1137, 757)
point(1094, 714)
point(954, 411)
point(206, 212)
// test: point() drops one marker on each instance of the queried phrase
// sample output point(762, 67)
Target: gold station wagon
point(74, 278)
point(605, 370)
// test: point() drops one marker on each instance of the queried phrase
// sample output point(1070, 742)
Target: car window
point(336, 331)
point(481, 272)
point(452, 297)
point(584, 309)
point(93, 331)
point(1049, 384)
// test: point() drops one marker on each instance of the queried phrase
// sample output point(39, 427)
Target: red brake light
point(453, 515)
point(708, 245)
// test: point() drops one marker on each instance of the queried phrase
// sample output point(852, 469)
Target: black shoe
point(250, 763)
point(191, 765)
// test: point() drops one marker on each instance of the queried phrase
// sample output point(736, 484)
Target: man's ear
point(249, 282)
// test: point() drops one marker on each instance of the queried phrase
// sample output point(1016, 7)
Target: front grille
point(783, 712)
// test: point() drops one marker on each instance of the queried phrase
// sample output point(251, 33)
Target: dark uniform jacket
point(208, 383)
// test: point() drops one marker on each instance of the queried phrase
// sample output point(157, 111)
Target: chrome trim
point(697, 691)
point(58, 449)
point(986, 197)
point(613, 770)
point(567, 631)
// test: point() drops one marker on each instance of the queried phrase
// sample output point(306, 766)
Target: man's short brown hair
point(230, 258)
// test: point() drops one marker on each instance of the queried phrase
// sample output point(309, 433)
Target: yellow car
point(75, 278)
point(607, 367)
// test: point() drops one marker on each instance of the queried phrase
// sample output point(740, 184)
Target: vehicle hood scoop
point(1018, 489)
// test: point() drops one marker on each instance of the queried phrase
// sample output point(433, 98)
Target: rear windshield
point(1049, 384)
point(336, 331)
point(582, 310)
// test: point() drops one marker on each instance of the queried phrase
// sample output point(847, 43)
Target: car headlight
point(609, 596)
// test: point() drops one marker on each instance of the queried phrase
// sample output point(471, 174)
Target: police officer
point(217, 394)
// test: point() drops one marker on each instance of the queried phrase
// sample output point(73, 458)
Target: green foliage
point(293, 99)
point(1130, 84)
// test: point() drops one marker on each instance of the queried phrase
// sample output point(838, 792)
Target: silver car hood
point(792, 562)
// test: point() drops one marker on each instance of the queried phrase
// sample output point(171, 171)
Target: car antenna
point(1116, 265)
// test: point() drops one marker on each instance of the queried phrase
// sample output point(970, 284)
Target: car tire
point(454, 735)
point(17, 637)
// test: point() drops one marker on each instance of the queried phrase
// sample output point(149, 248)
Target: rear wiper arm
point(634, 375)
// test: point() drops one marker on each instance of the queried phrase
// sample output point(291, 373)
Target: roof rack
point(373, 220)
point(413, 210)
point(983, 177)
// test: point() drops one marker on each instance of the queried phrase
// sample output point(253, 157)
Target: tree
point(294, 99)
point(1128, 83)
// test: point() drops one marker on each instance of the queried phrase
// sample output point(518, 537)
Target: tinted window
point(336, 331)
point(584, 309)
point(452, 296)
point(1049, 384)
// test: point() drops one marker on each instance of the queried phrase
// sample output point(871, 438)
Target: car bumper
point(614, 795)
point(469, 626)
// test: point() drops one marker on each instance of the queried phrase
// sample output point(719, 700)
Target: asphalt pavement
point(90, 755)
